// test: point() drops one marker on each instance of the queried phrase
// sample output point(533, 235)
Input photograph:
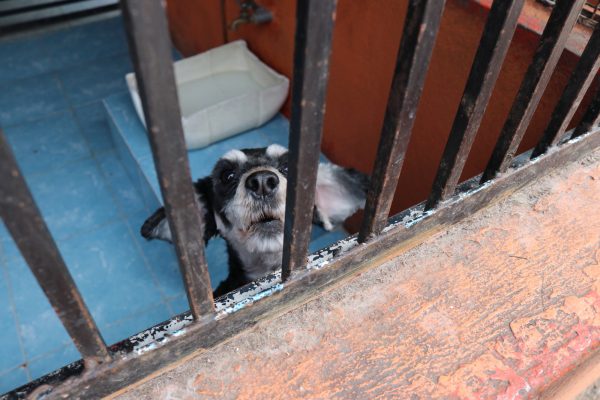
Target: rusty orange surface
point(500, 306)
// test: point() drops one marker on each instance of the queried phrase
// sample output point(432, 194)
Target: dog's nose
point(262, 183)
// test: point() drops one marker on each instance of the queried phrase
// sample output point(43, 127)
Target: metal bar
point(307, 285)
point(412, 63)
point(580, 81)
point(26, 20)
point(150, 47)
point(18, 8)
point(314, 29)
point(552, 43)
point(32, 237)
point(591, 118)
point(498, 32)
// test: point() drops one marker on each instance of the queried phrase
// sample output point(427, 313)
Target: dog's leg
point(322, 220)
point(157, 226)
point(340, 193)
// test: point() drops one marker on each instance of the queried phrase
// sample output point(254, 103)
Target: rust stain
point(540, 349)
point(484, 378)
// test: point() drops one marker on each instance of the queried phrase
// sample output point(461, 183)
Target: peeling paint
point(322, 258)
point(248, 301)
point(173, 327)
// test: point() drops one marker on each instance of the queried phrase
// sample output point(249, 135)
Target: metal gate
point(211, 321)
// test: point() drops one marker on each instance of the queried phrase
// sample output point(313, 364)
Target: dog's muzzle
point(262, 187)
point(262, 184)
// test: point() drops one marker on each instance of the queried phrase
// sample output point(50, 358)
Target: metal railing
point(590, 15)
point(19, 15)
point(211, 321)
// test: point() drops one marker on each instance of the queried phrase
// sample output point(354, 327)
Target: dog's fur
point(243, 200)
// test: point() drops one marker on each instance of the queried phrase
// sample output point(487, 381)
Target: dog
point(243, 200)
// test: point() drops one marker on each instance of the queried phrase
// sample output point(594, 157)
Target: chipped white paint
point(258, 286)
point(412, 216)
point(322, 258)
point(143, 349)
point(277, 287)
point(143, 339)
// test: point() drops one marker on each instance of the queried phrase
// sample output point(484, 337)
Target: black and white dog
point(243, 200)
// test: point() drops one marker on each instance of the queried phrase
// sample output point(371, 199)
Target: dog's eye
point(227, 176)
point(283, 169)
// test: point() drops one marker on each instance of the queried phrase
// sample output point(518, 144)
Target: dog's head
point(249, 188)
point(243, 200)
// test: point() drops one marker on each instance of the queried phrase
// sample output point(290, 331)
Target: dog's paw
point(157, 226)
point(322, 220)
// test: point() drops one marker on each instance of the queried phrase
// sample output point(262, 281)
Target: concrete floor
point(504, 304)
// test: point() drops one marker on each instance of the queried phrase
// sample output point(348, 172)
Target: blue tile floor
point(53, 87)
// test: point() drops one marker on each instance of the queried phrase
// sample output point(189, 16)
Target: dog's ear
point(157, 226)
point(340, 193)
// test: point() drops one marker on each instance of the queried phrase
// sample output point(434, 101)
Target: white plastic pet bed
point(222, 92)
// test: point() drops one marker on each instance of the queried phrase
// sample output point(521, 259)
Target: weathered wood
point(314, 29)
point(581, 79)
point(494, 44)
point(31, 235)
point(307, 284)
point(412, 63)
point(150, 47)
point(552, 43)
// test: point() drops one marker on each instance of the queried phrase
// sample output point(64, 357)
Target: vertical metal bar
point(591, 118)
point(498, 32)
point(314, 29)
point(559, 25)
point(150, 47)
point(25, 224)
point(580, 81)
point(412, 63)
